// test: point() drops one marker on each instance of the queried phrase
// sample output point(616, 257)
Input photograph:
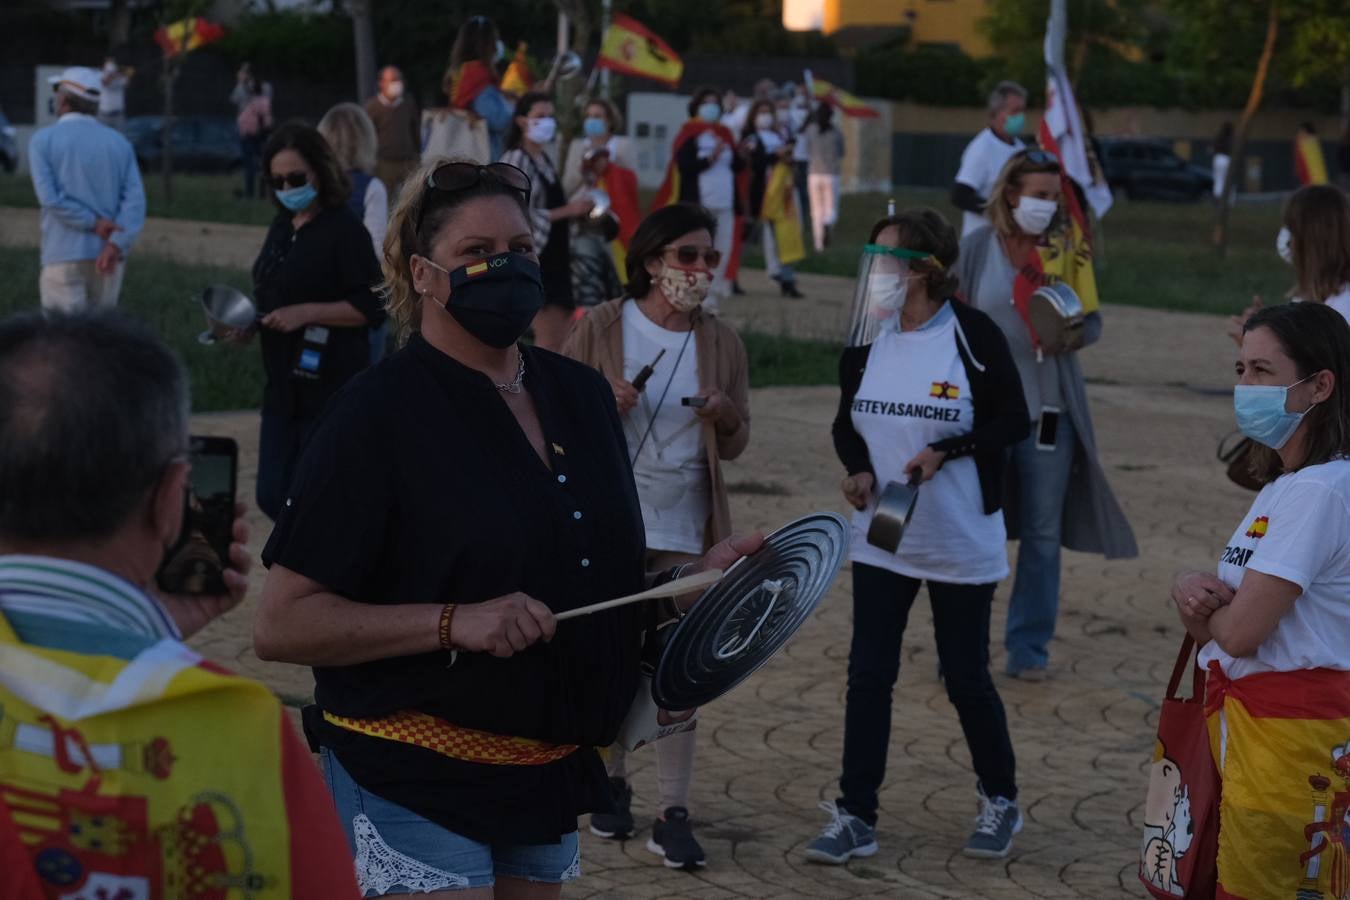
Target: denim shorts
point(399, 852)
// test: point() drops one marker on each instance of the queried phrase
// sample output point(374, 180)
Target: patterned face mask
point(686, 289)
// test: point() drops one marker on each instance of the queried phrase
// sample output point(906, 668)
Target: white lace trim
point(380, 867)
point(573, 872)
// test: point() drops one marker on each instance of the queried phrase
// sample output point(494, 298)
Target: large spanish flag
point(845, 102)
point(630, 49)
point(187, 35)
point(779, 210)
point(1309, 165)
point(669, 191)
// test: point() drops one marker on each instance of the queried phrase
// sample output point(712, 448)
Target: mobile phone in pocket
point(1048, 429)
point(197, 562)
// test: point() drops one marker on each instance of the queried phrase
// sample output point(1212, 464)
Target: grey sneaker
point(845, 836)
point(998, 821)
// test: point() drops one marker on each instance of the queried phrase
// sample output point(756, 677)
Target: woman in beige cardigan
point(688, 414)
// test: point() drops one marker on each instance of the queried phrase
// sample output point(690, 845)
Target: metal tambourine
point(743, 620)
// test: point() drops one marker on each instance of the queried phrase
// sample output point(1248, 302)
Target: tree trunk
point(363, 37)
point(1238, 163)
point(119, 25)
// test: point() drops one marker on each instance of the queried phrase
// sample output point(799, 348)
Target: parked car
point(9, 144)
point(1148, 169)
point(200, 143)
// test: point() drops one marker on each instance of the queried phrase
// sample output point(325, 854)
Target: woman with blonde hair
point(351, 134)
point(451, 502)
point(1059, 494)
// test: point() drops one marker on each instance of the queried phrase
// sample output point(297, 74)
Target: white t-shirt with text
point(914, 392)
point(984, 157)
point(1298, 529)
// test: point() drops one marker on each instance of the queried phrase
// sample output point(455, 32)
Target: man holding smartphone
point(110, 713)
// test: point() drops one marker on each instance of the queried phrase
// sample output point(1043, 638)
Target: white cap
point(79, 81)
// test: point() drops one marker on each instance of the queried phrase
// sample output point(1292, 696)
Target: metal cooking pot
point(602, 203)
point(894, 510)
point(1057, 317)
point(227, 310)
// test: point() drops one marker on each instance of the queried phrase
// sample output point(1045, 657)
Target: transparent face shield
point(883, 280)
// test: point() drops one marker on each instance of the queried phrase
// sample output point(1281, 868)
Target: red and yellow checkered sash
point(467, 744)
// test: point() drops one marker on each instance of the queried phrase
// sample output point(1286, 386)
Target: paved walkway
point(769, 752)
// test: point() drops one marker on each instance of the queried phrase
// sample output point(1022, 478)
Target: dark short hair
point(655, 234)
point(1316, 338)
point(93, 407)
point(333, 184)
point(523, 106)
point(696, 99)
point(927, 231)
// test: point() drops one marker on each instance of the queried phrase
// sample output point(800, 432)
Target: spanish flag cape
point(162, 777)
point(779, 210)
point(472, 78)
point(1281, 741)
point(669, 191)
point(621, 184)
point(1064, 254)
point(1309, 164)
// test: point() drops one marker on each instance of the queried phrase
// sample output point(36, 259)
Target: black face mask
point(497, 298)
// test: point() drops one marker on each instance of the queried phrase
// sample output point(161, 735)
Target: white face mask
point(763, 121)
point(1033, 214)
point(542, 130)
point(394, 90)
point(1284, 245)
point(887, 290)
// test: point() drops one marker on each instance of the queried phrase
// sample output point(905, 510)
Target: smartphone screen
point(1049, 427)
point(197, 562)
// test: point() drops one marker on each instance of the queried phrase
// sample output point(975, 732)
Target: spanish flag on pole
point(1309, 164)
point(187, 35)
point(630, 49)
point(846, 103)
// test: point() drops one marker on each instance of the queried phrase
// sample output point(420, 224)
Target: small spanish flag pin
point(557, 448)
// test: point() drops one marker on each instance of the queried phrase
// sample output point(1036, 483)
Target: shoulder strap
point(1197, 676)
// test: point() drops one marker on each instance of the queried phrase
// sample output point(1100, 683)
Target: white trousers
point(69, 287)
point(721, 286)
point(824, 193)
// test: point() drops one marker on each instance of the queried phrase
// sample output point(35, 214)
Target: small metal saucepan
point(226, 310)
point(1057, 316)
point(894, 510)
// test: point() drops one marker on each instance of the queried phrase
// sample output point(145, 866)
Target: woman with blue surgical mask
point(313, 283)
point(1272, 623)
point(1060, 496)
point(600, 127)
point(527, 148)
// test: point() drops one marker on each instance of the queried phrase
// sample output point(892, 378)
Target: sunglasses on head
point(1041, 158)
point(688, 255)
point(452, 177)
point(289, 180)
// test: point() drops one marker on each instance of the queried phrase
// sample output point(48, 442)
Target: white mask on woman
point(887, 290)
point(1033, 214)
point(1284, 245)
point(764, 121)
point(542, 129)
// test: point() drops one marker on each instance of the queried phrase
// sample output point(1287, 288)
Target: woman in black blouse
point(314, 281)
point(453, 499)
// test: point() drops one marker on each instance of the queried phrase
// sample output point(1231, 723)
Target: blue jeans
point(1043, 481)
point(400, 852)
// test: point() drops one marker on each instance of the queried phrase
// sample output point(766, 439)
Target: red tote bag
point(1179, 851)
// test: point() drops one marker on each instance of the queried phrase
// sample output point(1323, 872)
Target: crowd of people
point(458, 722)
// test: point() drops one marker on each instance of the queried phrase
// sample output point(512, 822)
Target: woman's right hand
point(503, 626)
point(1200, 593)
point(625, 395)
point(858, 489)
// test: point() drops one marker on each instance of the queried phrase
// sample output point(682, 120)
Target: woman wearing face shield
point(929, 395)
point(451, 501)
point(1273, 624)
point(1058, 492)
point(527, 141)
point(692, 413)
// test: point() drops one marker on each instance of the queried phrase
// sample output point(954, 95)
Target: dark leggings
point(881, 604)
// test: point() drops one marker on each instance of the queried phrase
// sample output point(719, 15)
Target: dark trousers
point(881, 603)
point(279, 444)
point(250, 148)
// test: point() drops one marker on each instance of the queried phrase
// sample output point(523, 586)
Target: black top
point(419, 486)
point(1001, 417)
point(327, 261)
point(555, 262)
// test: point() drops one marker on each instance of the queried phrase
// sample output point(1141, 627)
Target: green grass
point(208, 198)
point(162, 294)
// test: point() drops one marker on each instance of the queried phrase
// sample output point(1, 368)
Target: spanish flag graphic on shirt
point(945, 390)
point(1258, 529)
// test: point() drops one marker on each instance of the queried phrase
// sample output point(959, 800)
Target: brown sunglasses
point(688, 255)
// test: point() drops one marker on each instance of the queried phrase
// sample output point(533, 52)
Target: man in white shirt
point(988, 152)
point(112, 104)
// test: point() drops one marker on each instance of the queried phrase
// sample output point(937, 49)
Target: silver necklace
point(513, 387)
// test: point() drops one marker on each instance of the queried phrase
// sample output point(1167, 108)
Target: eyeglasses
point(688, 255)
point(290, 180)
point(452, 177)
point(1041, 158)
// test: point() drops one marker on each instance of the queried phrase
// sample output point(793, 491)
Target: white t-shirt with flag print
point(1298, 529)
point(914, 392)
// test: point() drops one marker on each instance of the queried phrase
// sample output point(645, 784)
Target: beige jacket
point(597, 341)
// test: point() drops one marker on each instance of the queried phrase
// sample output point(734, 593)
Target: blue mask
point(1015, 123)
point(594, 127)
point(1261, 414)
point(296, 199)
point(710, 112)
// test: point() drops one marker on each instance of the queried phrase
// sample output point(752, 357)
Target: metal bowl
point(1057, 317)
point(227, 309)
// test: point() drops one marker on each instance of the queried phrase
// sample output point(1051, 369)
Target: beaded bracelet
point(447, 615)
